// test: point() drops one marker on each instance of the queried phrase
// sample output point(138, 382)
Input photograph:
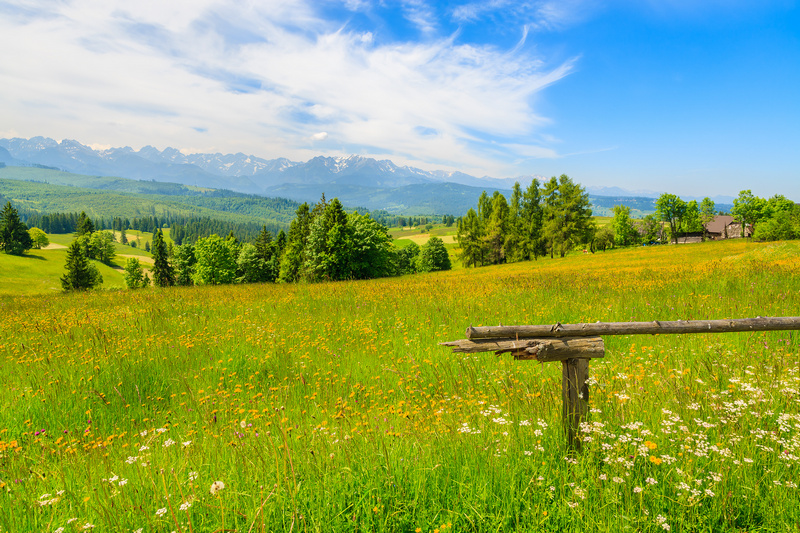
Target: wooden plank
point(536, 349)
point(635, 328)
point(575, 395)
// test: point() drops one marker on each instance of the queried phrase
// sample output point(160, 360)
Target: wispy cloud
point(267, 78)
point(544, 14)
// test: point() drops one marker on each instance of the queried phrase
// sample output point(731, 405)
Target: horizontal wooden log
point(537, 349)
point(635, 328)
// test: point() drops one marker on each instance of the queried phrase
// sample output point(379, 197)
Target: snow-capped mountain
point(239, 172)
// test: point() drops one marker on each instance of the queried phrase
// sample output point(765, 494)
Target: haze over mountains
point(356, 180)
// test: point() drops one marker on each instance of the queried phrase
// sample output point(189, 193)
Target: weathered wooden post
point(575, 396)
point(574, 354)
point(575, 344)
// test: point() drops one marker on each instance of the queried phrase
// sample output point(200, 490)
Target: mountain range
point(357, 181)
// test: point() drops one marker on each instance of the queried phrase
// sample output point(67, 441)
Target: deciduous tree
point(433, 256)
point(134, 276)
point(708, 211)
point(184, 262)
point(625, 232)
point(38, 238)
point(216, 261)
point(372, 254)
point(671, 209)
point(749, 209)
point(252, 267)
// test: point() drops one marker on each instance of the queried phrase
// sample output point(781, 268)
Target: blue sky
point(694, 98)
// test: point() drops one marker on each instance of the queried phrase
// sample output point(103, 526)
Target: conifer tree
point(14, 236)
point(81, 275)
point(85, 225)
point(163, 273)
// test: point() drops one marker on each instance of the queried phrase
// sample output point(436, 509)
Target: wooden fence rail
point(635, 328)
point(575, 344)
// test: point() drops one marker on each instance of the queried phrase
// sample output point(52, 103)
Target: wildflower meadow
point(331, 407)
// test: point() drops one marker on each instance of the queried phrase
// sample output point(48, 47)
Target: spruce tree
point(85, 225)
point(163, 273)
point(81, 274)
point(14, 236)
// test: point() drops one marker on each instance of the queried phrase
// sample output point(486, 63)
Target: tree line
point(547, 218)
point(324, 243)
point(184, 228)
point(776, 218)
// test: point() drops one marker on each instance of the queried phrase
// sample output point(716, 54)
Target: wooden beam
point(536, 349)
point(634, 328)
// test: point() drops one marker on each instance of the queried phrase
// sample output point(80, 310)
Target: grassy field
point(40, 271)
point(331, 407)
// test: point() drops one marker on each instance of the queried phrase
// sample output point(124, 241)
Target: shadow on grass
point(39, 257)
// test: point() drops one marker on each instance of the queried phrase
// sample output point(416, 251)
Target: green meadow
point(331, 407)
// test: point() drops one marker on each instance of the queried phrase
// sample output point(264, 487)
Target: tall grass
point(330, 407)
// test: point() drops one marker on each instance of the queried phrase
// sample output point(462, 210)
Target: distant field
point(331, 407)
point(40, 271)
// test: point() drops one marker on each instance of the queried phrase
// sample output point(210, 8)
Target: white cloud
point(419, 13)
point(264, 78)
point(544, 14)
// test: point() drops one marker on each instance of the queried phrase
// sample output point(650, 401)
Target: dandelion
point(216, 487)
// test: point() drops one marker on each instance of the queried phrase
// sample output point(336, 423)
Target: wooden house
point(726, 227)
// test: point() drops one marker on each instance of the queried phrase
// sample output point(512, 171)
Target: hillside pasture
point(331, 407)
point(40, 271)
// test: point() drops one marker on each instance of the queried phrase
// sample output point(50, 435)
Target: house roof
point(719, 223)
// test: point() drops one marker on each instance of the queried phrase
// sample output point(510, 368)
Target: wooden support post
point(575, 393)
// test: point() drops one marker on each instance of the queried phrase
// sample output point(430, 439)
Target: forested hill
point(51, 191)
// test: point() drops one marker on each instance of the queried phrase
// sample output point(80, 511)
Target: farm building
point(726, 227)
